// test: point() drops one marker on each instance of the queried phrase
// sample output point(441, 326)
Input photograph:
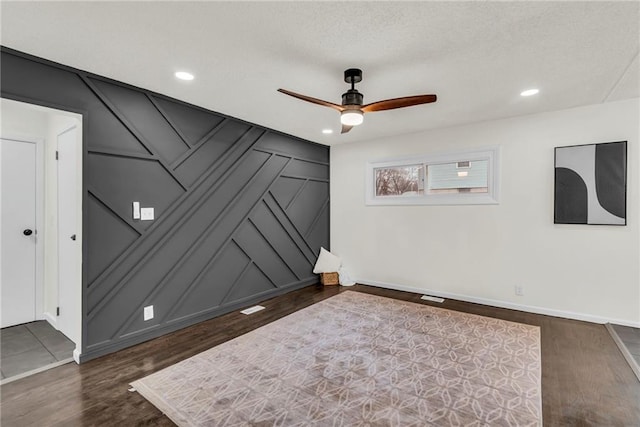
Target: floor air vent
point(430, 298)
point(252, 310)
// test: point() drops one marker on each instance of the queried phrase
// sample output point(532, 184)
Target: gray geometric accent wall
point(240, 211)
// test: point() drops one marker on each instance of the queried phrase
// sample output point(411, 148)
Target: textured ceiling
point(476, 56)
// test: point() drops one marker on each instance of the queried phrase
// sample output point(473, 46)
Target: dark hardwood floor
point(585, 379)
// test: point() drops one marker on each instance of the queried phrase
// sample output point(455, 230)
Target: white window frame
point(491, 197)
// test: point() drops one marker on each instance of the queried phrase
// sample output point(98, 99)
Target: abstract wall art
point(591, 184)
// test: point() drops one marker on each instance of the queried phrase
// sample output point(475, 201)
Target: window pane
point(399, 181)
point(458, 177)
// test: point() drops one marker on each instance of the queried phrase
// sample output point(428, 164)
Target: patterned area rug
point(360, 360)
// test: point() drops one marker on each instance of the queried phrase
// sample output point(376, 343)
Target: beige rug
point(360, 360)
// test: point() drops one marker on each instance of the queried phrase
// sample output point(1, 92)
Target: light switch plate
point(136, 210)
point(146, 214)
point(148, 312)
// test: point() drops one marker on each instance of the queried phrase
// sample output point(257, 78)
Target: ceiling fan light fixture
point(351, 117)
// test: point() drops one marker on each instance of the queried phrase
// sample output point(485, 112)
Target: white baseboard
point(502, 304)
point(76, 355)
point(53, 320)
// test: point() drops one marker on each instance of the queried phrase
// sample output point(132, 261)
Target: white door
point(68, 288)
point(18, 241)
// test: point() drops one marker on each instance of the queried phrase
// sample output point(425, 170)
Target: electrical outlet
point(148, 312)
point(519, 290)
point(146, 214)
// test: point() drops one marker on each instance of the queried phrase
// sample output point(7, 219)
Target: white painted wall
point(20, 119)
point(479, 253)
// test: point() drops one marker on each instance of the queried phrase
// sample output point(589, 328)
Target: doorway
point(41, 222)
point(19, 232)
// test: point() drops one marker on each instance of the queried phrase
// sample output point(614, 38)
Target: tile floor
point(631, 339)
point(26, 347)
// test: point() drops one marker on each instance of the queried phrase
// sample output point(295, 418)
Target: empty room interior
point(320, 213)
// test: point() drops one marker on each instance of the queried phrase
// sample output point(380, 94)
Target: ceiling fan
point(352, 111)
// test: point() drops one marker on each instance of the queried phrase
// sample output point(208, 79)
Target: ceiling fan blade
point(407, 101)
point(346, 128)
point(312, 100)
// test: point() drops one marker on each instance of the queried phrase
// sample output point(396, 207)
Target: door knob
point(73, 237)
point(27, 232)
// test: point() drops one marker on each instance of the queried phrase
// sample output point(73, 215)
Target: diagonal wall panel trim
point(191, 123)
point(202, 315)
point(199, 202)
point(321, 213)
point(180, 160)
point(229, 220)
point(292, 156)
point(280, 215)
point(275, 249)
point(220, 249)
point(120, 190)
point(207, 270)
point(96, 195)
point(306, 205)
point(143, 118)
point(110, 241)
point(168, 119)
point(116, 153)
point(130, 127)
point(274, 143)
point(221, 239)
point(304, 177)
point(196, 246)
point(258, 249)
point(182, 210)
point(226, 137)
point(225, 298)
point(298, 193)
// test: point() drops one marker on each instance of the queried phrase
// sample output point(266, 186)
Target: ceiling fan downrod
point(352, 96)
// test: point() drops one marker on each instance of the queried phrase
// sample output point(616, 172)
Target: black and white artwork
point(591, 184)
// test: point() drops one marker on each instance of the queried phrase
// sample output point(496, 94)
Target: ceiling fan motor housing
point(352, 97)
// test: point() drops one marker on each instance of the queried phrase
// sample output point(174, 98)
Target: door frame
point(69, 287)
point(83, 117)
point(39, 178)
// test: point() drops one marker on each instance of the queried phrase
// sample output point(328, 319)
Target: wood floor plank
point(585, 379)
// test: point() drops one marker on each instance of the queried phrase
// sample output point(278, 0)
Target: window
point(461, 178)
point(447, 178)
point(399, 181)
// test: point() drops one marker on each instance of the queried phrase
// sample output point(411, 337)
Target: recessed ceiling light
point(529, 92)
point(327, 131)
point(183, 75)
